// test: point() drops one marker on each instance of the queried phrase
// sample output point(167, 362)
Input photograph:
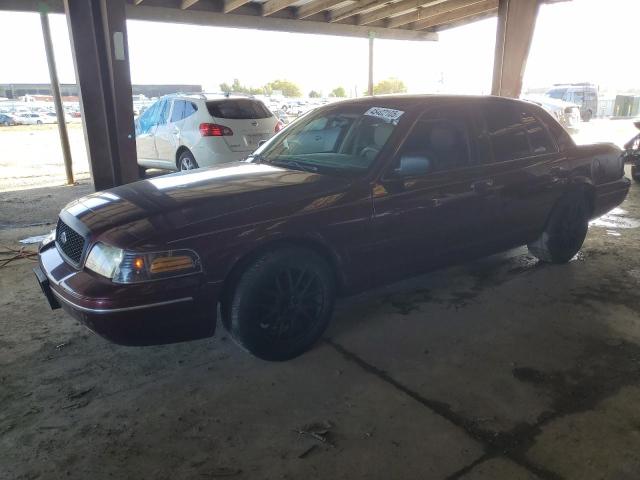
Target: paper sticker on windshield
point(385, 113)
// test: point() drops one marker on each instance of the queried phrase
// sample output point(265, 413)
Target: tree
point(314, 94)
point(390, 85)
point(338, 92)
point(237, 87)
point(288, 89)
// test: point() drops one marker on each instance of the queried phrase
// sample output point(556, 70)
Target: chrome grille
point(69, 242)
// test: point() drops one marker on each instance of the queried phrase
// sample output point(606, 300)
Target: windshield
point(557, 93)
point(340, 141)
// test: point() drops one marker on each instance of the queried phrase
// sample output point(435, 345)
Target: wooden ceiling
point(392, 19)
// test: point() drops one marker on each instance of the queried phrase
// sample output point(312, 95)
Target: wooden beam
point(184, 5)
point(271, 23)
point(395, 9)
point(455, 15)
point(516, 23)
point(426, 12)
point(405, 19)
point(273, 6)
point(317, 6)
point(231, 5)
point(355, 9)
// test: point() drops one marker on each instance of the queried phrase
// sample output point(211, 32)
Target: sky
point(574, 41)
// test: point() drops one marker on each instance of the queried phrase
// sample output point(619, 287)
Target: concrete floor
point(503, 368)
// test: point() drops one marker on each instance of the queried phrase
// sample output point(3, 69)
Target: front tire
point(186, 161)
point(565, 231)
point(281, 304)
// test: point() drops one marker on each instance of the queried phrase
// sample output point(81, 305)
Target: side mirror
point(412, 165)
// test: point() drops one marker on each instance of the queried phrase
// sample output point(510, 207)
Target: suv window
point(163, 112)
point(514, 132)
point(182, 109)
point(177, 113)
point(442, 137)
point(238, 109)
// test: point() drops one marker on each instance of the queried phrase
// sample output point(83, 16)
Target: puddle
point(616, 218)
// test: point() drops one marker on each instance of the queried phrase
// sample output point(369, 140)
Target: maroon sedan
point(353, 195)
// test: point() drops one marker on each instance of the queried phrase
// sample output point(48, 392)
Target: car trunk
point(249, 120)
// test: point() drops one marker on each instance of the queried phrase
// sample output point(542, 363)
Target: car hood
point(182, 204)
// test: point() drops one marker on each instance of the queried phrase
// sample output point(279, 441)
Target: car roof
point(209, 96)
point(410, 102)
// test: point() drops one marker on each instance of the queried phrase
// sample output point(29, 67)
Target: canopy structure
point(99, 43)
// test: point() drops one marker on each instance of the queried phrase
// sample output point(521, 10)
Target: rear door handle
point(482, 186)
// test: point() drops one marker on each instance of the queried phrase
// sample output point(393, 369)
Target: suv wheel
point(281, 304)
point(565, 231)
point(186, 161)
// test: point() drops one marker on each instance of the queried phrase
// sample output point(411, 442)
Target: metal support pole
point(57, 97)
point(370, 90)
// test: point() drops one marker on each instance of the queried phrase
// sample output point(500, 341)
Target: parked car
point(54, 117)
point(8, 120)
point(566, 113)
point(34, 119)
point(183, 132)
point(632, 154)
point(584, 95)
point(353, 195)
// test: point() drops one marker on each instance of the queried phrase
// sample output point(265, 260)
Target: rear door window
point(177, 113)
point(238, 109)
point(189, 109)
point(506, 130)
point(515, 132)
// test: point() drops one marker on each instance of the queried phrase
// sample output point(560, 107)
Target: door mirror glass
point(412, 165)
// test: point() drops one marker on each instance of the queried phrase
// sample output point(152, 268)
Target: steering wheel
point(369, 150)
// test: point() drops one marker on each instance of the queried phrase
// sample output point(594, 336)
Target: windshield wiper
point(296, 165)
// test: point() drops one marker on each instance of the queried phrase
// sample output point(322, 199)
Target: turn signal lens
point(137, 267)
point(171, 264)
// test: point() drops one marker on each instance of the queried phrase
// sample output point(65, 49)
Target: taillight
point(279, 126)
point(214, 130)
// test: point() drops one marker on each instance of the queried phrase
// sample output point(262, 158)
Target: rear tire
point(565, 231)
point(281, 304)
point(186, 161)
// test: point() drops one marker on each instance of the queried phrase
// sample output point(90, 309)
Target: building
point(17, 90)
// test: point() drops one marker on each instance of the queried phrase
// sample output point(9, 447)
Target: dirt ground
point(503, 368)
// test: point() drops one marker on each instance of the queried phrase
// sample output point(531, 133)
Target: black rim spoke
point(290, 305)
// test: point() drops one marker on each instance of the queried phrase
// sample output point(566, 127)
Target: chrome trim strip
point(117, 310)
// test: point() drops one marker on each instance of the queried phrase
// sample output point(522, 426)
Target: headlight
point(123, 266)
point(104, 259)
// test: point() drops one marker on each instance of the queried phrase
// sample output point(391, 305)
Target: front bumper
point(151, 313)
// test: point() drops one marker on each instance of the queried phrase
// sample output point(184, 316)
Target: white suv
point(187, 131)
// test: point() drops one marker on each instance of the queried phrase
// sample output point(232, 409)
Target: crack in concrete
point(496, 444)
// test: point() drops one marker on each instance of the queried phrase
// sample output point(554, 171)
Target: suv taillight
point(215, 130)
point(279, 126)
